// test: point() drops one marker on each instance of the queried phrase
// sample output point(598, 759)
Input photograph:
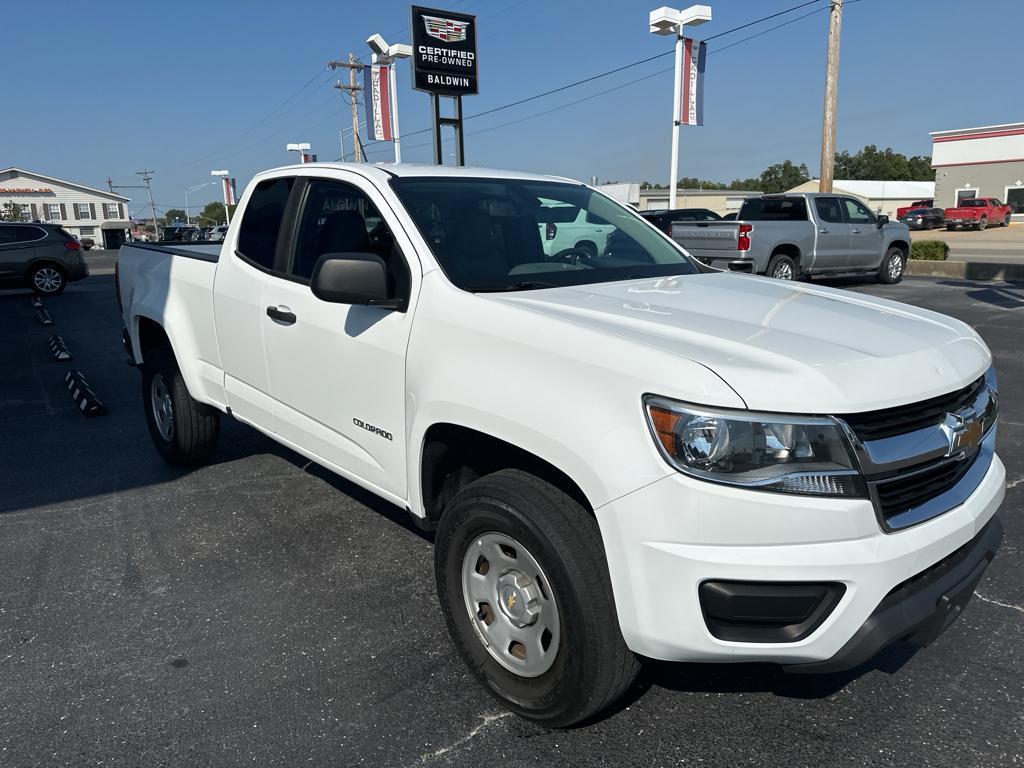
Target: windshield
point(508, 235)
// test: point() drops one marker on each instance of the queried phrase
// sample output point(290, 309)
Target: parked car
point(624, 456)
point(217, 233)
point(174, 233)
point(202, 234)
point(924, 218)
point(731, 216)
point(978, 213)
point(789, 236)
point(926, 203)
point(663, 220)
point(568, 231)
point(43, 257)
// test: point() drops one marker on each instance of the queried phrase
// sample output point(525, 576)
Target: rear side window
point(828, 209)
point(10, 234)
point(774, 209)
point(261, 223)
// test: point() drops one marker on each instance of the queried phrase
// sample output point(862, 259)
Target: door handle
point(823, 230)
point(282, 315)
point(854, 231)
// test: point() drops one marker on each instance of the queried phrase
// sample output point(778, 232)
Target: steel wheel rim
point(47, 279)
point(510, 604)
point(162, 405)
point(895, 266)
point(783, 272)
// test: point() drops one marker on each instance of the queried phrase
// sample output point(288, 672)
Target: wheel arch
point(45, 261)
point(786, 249)
point(453, 455)
point(903, 245)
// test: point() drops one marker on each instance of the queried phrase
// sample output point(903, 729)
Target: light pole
point(227, 185)
point(300, 148)
point(188, 217)
point(389, 54)
point(668, 21)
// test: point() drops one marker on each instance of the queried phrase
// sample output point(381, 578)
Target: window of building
point(83, 210)
point(967, 193)
point(87, 231)
point(257, 238)
point(110, 210)
point(53, 211)
point(26, 212)
point(1015, 198)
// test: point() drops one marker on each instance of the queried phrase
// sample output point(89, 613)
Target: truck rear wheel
point(184, 430)
point(980, 226)
point(782, 267)
point(524, 587)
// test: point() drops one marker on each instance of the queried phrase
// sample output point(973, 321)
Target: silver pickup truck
point(791, 235)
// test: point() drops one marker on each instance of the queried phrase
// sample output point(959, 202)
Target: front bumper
point(666, 539)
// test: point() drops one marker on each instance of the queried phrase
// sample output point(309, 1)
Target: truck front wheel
point(893, 266)
point(524, 587)
point(184, 430)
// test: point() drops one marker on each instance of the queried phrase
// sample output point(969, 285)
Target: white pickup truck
point(623, 456)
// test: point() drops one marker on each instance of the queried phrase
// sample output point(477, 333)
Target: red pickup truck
point(929, 203)
point(978, 213)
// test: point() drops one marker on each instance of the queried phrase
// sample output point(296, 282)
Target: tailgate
point(707, 235)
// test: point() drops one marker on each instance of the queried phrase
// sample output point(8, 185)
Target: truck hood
point(787, 347)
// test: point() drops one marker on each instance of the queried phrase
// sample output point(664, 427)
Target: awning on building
point(115, 225)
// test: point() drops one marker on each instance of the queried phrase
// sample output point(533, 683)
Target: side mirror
point(352, 278)
point(883, 220)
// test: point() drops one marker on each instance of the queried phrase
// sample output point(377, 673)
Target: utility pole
point(353, 66)
point(147, 176)
point(828, 124)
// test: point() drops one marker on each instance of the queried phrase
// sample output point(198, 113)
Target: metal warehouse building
point(84, 211)
point(980, 162)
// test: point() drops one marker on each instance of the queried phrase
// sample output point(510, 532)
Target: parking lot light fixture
point(669, 21)
point(302, 148)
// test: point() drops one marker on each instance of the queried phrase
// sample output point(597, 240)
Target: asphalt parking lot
point(259, 611)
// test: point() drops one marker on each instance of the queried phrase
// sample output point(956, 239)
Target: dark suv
point(43, 257)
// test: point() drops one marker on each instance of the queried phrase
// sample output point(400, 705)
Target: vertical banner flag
point(378, 101)
point(692, 104)
point(229, 191)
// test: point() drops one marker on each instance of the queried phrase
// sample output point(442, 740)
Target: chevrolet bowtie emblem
point(964, 430)
point(511, 600)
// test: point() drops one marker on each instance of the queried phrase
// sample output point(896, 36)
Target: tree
point(212, 213)
point(874, 164)
point(10, 211)
point(689, 182)
point(783, 176)
point(175, 214)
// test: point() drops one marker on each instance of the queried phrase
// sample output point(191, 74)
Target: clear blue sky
point(98, 89)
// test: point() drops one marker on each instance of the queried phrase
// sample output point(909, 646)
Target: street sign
point(444, 52)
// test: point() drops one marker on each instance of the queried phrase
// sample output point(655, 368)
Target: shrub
point(932, 250)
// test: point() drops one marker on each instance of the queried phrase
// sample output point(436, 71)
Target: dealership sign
point(378, 101)
point(444, 52)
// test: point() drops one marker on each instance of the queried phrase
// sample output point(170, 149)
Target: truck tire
point(782, 267)
point(893, 266)
point(980, 226)
point(1006, 221)
point(520, 563)
point(184, 430)
point(47, 279)
point(950, 227)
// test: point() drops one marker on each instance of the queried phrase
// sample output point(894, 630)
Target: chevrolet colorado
point(622, 456)
point(793, 235)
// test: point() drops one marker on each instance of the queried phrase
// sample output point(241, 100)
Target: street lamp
point(300, 148)
point(227, 185)
point(388, 54)
point(668, 21)
point(188, 217)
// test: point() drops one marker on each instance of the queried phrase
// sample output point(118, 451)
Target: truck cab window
point(338, 218)
point(828, 209)
point(857, 213)
point(257, 237)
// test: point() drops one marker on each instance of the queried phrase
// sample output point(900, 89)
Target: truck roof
point(383, 170)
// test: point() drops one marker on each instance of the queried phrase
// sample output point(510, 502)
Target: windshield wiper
point(525, 285)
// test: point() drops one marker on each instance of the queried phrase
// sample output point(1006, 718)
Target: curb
point(968, 270)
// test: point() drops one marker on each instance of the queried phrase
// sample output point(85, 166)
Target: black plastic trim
point(787, 611)
point(921, 608)
point(177, 251)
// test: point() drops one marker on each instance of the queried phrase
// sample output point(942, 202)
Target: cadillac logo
point(448, 30)
point(964, 430)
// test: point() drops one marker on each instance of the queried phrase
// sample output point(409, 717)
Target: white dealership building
point(980, 162)
point(83, 211)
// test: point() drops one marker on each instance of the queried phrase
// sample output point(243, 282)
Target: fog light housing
point(767, 612)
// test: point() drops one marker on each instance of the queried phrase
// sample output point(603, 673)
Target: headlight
point(789, 454)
